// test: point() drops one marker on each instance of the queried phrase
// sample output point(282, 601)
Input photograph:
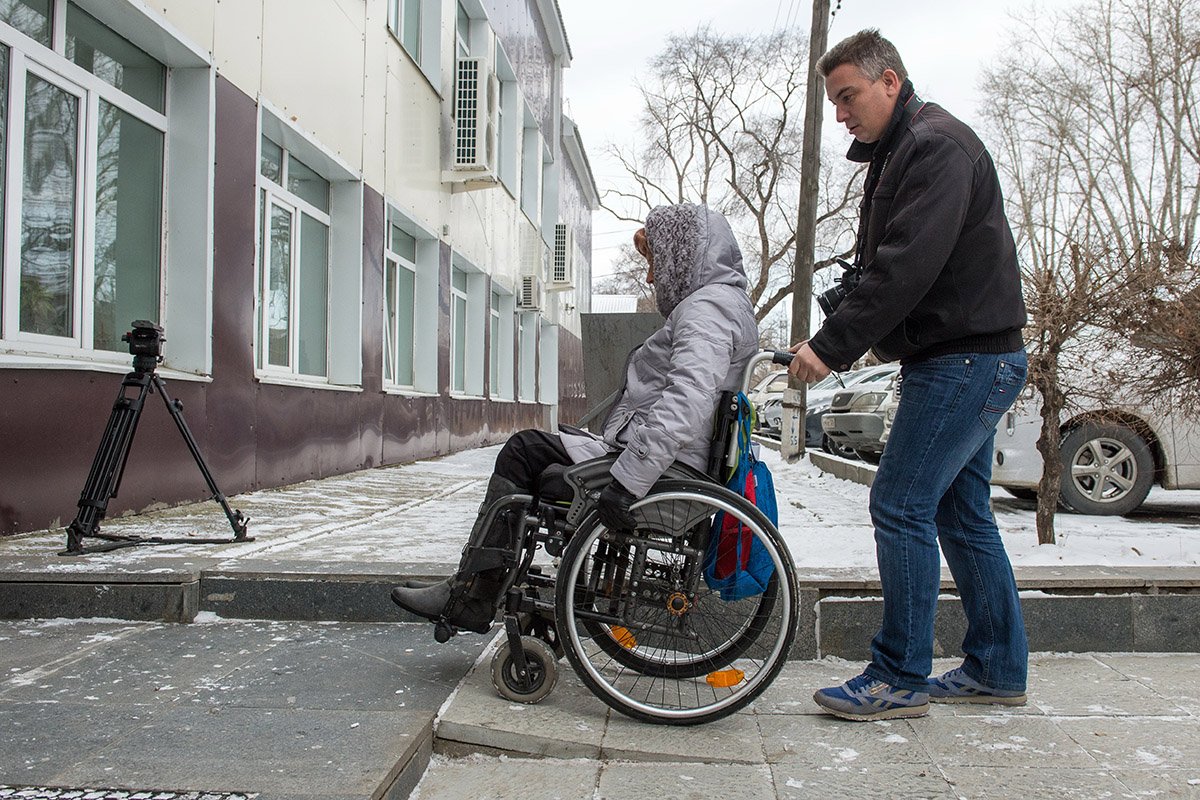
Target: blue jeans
point(932, 487)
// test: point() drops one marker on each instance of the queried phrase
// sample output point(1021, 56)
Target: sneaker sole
point(983, 700)
point(900, 712)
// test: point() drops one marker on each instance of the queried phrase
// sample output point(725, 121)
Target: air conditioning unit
point(561, 272)
point(476, 98)
point(532, 251)
point(529, 298)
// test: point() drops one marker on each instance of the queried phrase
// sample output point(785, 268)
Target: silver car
point(856, 418)
point(1111, 456)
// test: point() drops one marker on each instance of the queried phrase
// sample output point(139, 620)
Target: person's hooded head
point(689, 246)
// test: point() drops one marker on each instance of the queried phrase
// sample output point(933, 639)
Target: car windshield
point(869, 376)
point(828, 382)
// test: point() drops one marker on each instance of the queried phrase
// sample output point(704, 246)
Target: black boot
point(482, 573)
point(474, 610)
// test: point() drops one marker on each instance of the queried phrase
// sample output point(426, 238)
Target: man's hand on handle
point(806, 365)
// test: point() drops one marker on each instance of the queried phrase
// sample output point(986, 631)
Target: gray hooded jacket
point(673, 381)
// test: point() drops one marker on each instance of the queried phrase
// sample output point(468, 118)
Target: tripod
point(105, 477)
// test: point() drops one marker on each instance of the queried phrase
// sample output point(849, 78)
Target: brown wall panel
point(232, 396)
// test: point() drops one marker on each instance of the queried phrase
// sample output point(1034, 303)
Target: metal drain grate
point(60, 793)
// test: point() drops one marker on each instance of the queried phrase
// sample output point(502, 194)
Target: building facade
point(365, 226)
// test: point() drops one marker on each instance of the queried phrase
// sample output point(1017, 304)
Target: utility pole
point(795, 397)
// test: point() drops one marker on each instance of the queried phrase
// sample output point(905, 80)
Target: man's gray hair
point(866, 50)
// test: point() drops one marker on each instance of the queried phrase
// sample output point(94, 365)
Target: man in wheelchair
point(663, 414)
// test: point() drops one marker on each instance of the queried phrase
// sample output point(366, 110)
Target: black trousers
point(527, 455)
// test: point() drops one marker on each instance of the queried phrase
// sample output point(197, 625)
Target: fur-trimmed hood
point(692, 246)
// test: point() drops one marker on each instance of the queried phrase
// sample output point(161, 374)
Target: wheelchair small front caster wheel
point(541, 671)
point(442, 632)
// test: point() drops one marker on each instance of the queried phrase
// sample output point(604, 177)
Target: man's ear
point(891, 82)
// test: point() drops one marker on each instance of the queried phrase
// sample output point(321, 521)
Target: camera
point(145, 343)
point(832, 297)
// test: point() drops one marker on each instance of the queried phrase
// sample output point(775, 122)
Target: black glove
point(614, 507)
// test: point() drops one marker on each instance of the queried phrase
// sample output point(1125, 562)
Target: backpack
point(736, 565)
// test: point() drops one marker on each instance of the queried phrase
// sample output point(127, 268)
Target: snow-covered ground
point(421, 513)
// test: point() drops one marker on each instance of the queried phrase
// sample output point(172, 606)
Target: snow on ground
point(422, 512)
point(826, 523)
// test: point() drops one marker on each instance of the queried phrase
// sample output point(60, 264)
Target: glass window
point(494, 346)
point(271, 165)
point(279, 288)
point(463, 31)
point(410, 27)
point(129, 167)
point(90, 167)
point(313, 285)
point(3, 134)
point(30, 17)
point(404, 244)
point(48, 209)
point(306, 184)
point(297, 273)
point(114, 60)
point(411, 288)
point(458, 331)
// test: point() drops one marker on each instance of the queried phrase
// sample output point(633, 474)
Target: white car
point(1111, 456)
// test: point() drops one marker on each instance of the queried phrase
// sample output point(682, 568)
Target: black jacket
point(940, 268)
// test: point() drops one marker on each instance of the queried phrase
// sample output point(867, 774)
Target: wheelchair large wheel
point(642, 628)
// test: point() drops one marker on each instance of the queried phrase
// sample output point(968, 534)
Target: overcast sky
point(945, 45)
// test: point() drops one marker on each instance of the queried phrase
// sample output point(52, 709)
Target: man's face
point(863, 106)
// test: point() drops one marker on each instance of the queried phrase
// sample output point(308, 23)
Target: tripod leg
point(175, 408)
point(109, 464)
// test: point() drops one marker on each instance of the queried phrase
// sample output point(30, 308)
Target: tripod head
point(145, 345)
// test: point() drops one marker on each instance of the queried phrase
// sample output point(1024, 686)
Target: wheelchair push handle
point(780, 357)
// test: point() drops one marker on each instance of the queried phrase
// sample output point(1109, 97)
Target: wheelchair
point(630, 610)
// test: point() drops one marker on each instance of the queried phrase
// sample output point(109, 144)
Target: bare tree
point(720, 125)
point(1096, 114)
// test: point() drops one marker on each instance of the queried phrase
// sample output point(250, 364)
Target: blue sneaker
point(864, 699)
point(957, 686)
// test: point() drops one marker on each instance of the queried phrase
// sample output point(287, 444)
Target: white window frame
point(425, 303)
point(343, 313)
point(503, 351)
point(532, 146)
point(547, 389)
point(186, 268)
point(278, 196)
point(475, 306)
point(186, 192)
point(527, 333)
point(428, 56)
point(509, 123)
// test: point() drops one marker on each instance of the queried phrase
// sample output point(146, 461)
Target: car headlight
point(868, 402)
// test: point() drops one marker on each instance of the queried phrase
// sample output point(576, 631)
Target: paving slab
point(1177, 784)
point(1175, 676)
point(684, 781)
point(819, 741)
point(1017, 782)
point(528, 779)
point(568, 723)
point(1002, 740)
point(287, 710)
point(732, 740)
point(795, 781)
point(1083, 685)
point(1137, 742)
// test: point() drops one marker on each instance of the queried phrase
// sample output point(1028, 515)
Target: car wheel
point(1021, 493)
point(869, 456)
point(834, 449)
point(1107, 469)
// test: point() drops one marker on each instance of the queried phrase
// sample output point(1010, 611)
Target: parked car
point(819, 395)
point(770, 386)
point(855, 419)
point(1111, 456)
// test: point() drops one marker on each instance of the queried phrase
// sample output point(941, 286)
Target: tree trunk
point(1051, 482)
